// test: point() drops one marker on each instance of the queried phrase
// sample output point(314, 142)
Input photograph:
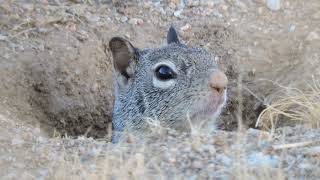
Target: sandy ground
point(56, 80)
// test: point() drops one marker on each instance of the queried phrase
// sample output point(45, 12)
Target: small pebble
point(274, 5)
point(178, 13)
point(261, 159)
point(185, 27)
point(17, 141)
point(197, 164)
point(3, 37)
point(124, 19)
point(313, 36)
point(313, 151)
point(136, 21)
point(292, 28)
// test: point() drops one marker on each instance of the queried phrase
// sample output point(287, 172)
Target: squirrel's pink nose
point(218, 82)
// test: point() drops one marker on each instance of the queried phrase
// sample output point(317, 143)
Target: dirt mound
point(72, 83)
point(55, 69)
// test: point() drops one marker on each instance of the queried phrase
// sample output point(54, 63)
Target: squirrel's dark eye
point(164, 72)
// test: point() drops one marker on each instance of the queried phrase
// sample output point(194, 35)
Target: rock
point(17, 141)
point(261, 159)
point(124, 19)
point(316, 15)
point(217, 13)
point(241, 5)
point(292, 28)
point(224, 159)
point(172, 5)
point(147, 5)
point(136, 21)
point(305, 166)
point(314, 151)
point(178, 13)
point(3, 37)
point(313, 36)
point(204, 3)
point(82, 35)
point(197, 164)
point(185, 27)
point(174, 2)
point(92, 18)
point(40, 139)
point(274, 5)
point(28, 7)
point(6, 56)
point(192, 3)
point(162, 11)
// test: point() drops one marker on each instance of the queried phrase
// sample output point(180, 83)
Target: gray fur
point(136, 98)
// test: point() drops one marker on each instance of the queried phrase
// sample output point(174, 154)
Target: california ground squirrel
point(173, 85)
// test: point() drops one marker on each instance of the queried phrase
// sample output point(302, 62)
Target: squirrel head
point(169, 84)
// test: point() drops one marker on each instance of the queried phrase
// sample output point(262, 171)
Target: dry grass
point(296, 105)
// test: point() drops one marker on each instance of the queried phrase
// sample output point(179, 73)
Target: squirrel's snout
point(218, 82)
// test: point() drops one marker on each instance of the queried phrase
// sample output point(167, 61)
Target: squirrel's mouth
point(210, 109)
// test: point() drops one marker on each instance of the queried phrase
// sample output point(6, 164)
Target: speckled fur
point(139, 99)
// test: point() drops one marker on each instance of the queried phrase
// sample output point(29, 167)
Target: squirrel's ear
point(123, 53)
point(172, 36)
